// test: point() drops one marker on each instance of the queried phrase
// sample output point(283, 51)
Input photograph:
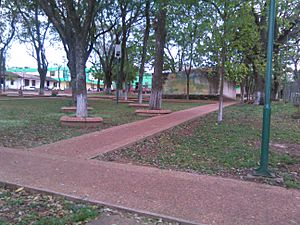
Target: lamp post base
point(262, 172)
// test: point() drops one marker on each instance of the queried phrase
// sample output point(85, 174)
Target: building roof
point(32, 76)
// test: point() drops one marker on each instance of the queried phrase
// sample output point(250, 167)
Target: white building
point(25, 81)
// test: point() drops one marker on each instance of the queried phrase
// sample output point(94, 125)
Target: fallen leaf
point(19, 189)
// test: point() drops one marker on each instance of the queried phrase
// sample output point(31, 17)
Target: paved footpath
point(197, 199)
point(93, 144)
point(188, 197)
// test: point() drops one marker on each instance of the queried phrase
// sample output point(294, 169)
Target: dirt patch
point(283, 148)
point(290, 149)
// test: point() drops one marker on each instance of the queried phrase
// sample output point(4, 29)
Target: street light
point(118, 53)
point(264, 157)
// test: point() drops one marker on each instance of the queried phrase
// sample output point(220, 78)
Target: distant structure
point(202, 83)
point(28, 79)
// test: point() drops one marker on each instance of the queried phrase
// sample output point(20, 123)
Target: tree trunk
point(42, 69)
point(242, 93)
point(258, 87)
point(98, 85)
point(81, 93)
point(221, 98)
point(2, 73)
point(155, 99)
point(108, 86)
point(223, 61)
point(187, 86)
point(160, 36)
point(73, 87)
point(123, 48)
point(42, 84)
point(72, 68)
point(144, 51)
point(126, 91)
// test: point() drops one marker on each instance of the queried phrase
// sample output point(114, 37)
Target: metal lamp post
point(264, 157)
point(118, 57)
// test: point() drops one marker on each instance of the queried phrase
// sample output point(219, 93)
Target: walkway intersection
point(65, 168)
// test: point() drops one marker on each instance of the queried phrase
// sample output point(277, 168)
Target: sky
point(19, 56)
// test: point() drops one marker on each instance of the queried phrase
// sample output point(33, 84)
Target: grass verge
point(231, 149)
point(21, 207)
point(26, 123)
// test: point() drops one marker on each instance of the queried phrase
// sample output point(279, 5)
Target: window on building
point(48, 83)
point(12, 82)
point(52, 73)
point(33, 83)
point(26, 82)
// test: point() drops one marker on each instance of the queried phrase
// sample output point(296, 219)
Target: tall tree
point(75, 23)
point(144, 50)
point(104, 46)
point(35, 29)
point(8, 19)
point(160, 37)
point(287, 25)
point(186, 28)
point(129, 13)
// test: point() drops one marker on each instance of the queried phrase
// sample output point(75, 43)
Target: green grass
point(47, 210)
point(55, 210)
point(26, 123)
point(84, 213)
point(231, 148)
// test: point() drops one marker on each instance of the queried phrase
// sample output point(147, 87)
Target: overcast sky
point(19, 56)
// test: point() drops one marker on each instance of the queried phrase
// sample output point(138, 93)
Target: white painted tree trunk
point(81, 92)
point(126, 92)
point(258, 99)
point(81, 110)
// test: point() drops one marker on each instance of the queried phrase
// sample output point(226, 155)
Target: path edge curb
point(101, 203)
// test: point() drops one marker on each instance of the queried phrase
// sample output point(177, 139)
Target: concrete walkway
point(93, 144)
point(63, 168)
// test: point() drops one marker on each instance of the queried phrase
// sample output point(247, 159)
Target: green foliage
point(97, 71)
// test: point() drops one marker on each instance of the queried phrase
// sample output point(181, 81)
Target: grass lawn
point(26, 123)
point(21, 207)
point(230, 150)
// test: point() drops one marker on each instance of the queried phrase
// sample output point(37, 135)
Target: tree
point(35, 29)
point(227, 35)
point(104, 49)
point(8, 18)
point(97, 73)
point(222, 10)
point(144, 51)
point(130, 11)
point(160, 37)
point(187, 24)
point(75, 23)
point(287, 25)
point(104, 46)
